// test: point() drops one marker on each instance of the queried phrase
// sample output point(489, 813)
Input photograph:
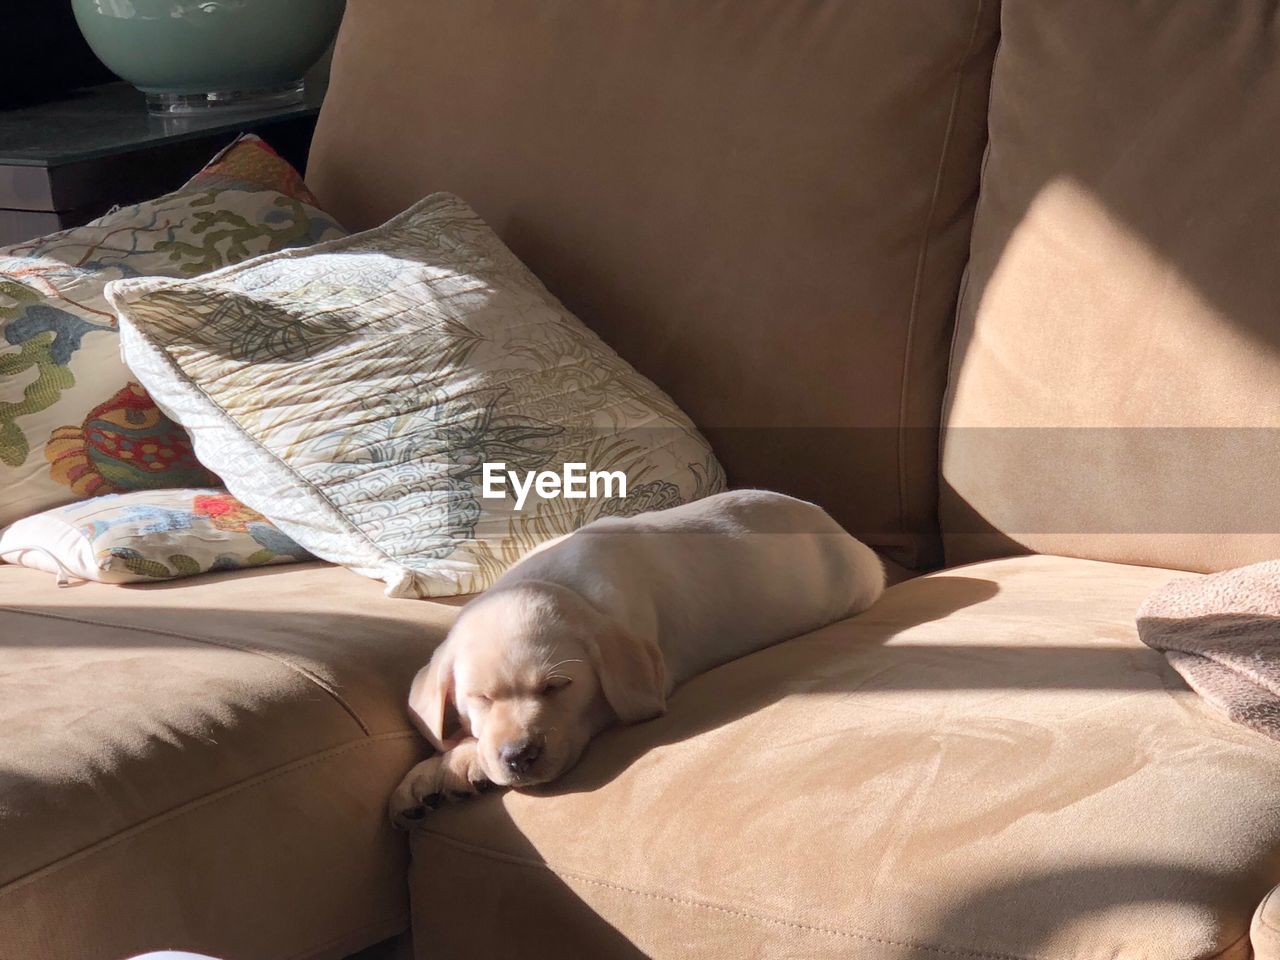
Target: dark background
point(44, 55)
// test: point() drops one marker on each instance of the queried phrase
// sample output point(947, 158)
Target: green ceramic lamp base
point(185, 104)
point(193, 56)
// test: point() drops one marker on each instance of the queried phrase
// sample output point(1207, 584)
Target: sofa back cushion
point(762, 205)
point(1115, 381)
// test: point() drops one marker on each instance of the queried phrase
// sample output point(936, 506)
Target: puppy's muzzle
point(519, 756)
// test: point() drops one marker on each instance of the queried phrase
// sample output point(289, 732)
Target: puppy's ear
point(431, 700)
point(632, 671)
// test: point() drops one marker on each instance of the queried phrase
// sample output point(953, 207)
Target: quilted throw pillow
point(73, 423)
point(147, 535)
point(355, 392)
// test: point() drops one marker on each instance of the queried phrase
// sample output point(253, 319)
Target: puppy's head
point(533, 672)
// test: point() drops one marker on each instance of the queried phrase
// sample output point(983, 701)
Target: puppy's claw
point(445, 778)
point(408, 818)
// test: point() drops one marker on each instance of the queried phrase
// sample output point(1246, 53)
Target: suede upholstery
point(204, 764)
point(1115, 388)
point(718, 191)
point(988, 763)
point(765, 206)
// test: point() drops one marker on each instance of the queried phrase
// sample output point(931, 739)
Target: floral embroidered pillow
point(73, 422)
point(147, 535)
point(380, 397)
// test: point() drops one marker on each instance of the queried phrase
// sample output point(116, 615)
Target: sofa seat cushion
point(204, 763)
point(988, 763)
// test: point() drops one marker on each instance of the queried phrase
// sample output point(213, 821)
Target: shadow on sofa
point(692, 714)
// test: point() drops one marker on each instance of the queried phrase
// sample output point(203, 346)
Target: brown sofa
point(782, 213)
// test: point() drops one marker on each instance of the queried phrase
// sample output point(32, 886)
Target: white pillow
point(354, 391)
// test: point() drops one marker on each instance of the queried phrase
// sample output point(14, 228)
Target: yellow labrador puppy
point(598, 628)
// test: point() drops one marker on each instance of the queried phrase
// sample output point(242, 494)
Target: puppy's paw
point(447, 777)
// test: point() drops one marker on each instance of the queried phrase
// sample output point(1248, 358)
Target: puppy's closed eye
point(553, 685)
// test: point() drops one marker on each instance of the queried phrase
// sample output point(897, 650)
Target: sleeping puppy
point(598, 628)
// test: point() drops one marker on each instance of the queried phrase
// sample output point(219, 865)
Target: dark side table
point(65, 162)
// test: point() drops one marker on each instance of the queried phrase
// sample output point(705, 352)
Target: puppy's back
point(717, 578)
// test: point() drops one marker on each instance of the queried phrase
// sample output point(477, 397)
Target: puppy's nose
point(520, 755)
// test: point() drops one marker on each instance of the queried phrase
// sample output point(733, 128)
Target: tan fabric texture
point(204, 764)
point(1115, 385)
point(988, 763)
point(772, 225)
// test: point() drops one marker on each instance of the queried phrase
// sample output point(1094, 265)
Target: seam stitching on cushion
point(228, 644)
point(949, 394)
point(199, 803)
point(949, 391)
point(760, 918)
point(923, 256)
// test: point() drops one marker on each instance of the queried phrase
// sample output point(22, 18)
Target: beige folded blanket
point(1222, 634)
